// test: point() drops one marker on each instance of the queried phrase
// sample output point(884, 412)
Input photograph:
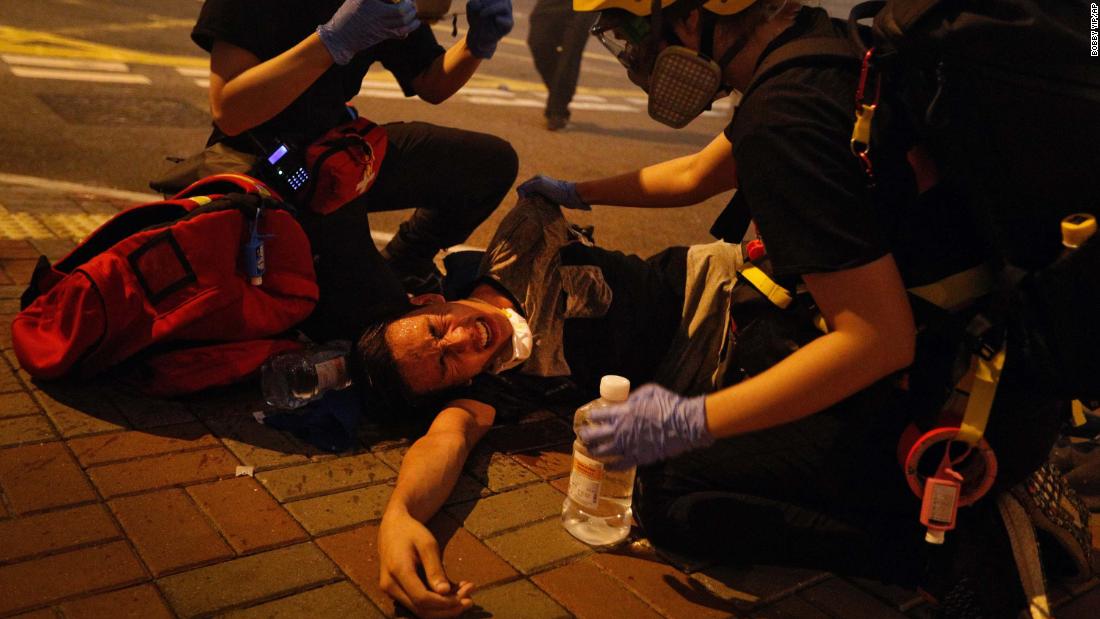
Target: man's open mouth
point(485, 331)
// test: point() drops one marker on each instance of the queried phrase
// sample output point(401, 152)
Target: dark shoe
point(555, 122)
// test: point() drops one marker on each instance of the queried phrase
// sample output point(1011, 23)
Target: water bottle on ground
point(291, 379)
point(597, 508)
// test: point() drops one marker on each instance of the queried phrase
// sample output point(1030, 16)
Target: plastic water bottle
point(597, 508)
point(291, 379)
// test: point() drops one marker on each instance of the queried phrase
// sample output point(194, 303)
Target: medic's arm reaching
point(246, 92)
point(677, 182)
point(427, 477)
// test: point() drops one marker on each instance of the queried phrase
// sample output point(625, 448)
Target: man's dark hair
point(375, 370)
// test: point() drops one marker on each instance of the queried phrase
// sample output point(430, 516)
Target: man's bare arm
point(428, 474)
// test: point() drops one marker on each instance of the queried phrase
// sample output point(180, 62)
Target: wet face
point(442, 345)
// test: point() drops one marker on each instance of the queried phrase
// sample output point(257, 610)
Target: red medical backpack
point(165, 285)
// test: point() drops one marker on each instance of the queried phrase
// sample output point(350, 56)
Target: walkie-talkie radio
point(288, 168)
point(283, 165)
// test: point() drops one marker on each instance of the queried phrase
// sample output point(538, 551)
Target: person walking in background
point(557, 39)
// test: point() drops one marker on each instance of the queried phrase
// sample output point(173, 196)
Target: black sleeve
point(266, 28)
point(232, 21)
point(806, 191)
point(409, 57)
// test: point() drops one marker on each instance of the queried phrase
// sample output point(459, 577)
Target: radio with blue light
point(283, 166)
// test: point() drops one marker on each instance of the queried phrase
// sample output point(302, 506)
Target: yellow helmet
point(644, 7)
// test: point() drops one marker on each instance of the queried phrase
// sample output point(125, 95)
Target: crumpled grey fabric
point(524, 258)
point(696, 360)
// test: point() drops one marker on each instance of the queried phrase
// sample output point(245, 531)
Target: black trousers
point(453, 178)
point(826, 492)
point(557, 39)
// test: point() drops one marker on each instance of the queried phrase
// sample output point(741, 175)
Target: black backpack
point(1005, 97)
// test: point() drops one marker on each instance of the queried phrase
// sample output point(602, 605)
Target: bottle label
point(585, 480)
point(330, 373)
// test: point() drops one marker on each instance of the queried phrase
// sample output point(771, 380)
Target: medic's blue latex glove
point(359, 24)
point(654, 424)
point(558, 192)
point(489, 21)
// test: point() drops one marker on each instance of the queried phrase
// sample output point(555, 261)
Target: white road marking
point(104, 192)
point(377, 85)
point(64, 63)
point(193, 71)
point(383, 84)
point(506, 102)
point(80, 76)
point(602, 107)
point(488, 92)
point(383, 94)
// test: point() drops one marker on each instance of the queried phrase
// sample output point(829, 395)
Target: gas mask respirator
point(681, 83)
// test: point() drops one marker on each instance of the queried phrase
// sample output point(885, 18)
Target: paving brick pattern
point(115, 505)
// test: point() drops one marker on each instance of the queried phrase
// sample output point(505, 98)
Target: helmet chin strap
point(734, 48)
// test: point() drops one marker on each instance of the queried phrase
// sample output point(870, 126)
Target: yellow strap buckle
point(987, 373)
point(778, 295)
point(861, 131)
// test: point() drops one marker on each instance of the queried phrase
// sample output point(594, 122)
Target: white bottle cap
point(614, 388)
point(934, 536)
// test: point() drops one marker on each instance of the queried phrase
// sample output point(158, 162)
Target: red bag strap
point(227, 183)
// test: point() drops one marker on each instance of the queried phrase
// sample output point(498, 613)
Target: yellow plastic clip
point(861, 131)
point(987, 375)
point(1078, 411)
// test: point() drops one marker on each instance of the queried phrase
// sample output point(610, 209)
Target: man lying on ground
point(547, 304)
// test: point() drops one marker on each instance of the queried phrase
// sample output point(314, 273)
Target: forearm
point(428, 474)
point(665, 184)
point(871, 336)
point(447, 74)
point(677, 182)
point(243, 101)
point(816, 376)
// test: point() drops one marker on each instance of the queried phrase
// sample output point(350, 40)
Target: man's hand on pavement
point(489, 21)
point(653, 424)
point(404, 544)
point(563, 193)
point(359, 24)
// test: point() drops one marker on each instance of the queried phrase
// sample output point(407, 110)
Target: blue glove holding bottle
point(489, 21)
point(653, 424)
point(563, 193)
point(359, 24)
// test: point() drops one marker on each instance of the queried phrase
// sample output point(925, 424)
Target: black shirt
point(808, 193)
point(268, 28)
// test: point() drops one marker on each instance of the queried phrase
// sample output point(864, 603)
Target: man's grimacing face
point(442, 345)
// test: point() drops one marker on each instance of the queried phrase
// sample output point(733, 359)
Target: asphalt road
point(101, 92)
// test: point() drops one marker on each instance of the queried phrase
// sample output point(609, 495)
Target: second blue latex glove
point(359, 24)
point(563, 193)
point(653, 424)
point(489, 21)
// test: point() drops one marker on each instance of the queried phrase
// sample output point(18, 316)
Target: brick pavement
point(115, 505)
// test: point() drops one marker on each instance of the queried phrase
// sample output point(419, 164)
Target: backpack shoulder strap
point(226, 183)
point(826, 48)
